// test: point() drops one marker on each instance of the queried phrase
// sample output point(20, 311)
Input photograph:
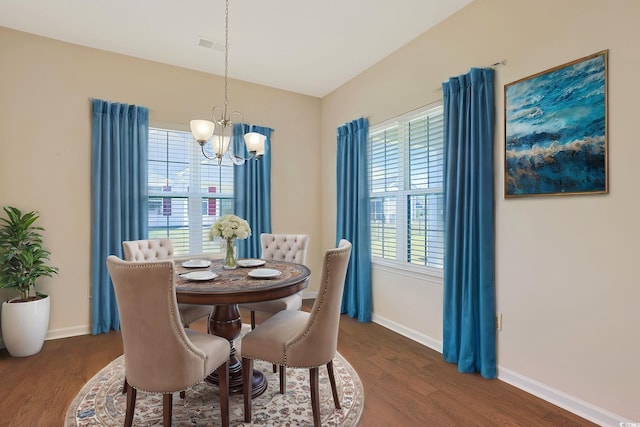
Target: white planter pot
point(25, 325)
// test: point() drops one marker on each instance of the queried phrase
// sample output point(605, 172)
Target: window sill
point(415, 272)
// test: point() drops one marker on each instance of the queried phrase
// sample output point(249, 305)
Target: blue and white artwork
point(555, 130)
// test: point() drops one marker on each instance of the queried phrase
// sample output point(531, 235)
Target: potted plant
point(23, 260)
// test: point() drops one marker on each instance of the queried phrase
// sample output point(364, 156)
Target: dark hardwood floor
point(405, 383)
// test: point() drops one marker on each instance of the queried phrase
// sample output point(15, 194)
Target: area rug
point(100, 402)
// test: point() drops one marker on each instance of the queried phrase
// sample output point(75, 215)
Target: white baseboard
point(53, 334)
point(566, 401)
point(407, 332)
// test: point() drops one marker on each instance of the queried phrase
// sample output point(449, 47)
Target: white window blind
point(187, 192)
point(406, 167)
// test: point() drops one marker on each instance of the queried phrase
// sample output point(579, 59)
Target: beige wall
point(565, 276)
point(45, 146)
point(565, 266)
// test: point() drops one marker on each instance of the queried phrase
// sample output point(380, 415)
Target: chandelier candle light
point(229, 228)
point(222, 124)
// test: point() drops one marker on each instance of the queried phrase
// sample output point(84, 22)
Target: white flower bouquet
point(230, 227)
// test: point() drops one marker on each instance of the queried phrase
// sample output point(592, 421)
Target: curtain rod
point(105, 100)
point(497, 64)
point(494, 65)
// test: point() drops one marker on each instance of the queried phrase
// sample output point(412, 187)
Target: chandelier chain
point(226, 57)
point(202, 130)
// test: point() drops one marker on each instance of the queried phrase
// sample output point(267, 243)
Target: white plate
point(264, 273)
point(250, 262)
point(199, 275)
point(197, 263)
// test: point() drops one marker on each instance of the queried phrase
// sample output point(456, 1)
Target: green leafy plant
point(22, 257)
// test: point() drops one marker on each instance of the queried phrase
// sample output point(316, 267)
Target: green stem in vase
point(230, 255)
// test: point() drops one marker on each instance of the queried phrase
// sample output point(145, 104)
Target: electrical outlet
point(499, 321)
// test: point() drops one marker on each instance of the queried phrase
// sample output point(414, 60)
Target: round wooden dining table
point(230, 288)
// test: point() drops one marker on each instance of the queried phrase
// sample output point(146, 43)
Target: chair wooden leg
point(332, 380)
point(167, 409)
point(253, 319)
point(283, 379)
point(124, 386)
point(247, 379)
point(131, 405)
point(315, 395)
point(182, 394)
point(223, 387)
point(275, 368)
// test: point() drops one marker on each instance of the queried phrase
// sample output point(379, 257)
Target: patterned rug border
point(100, 403)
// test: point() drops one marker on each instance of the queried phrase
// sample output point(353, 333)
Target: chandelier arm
point(220, 116)
point(205, 154)
point(239, 114)
point(239, 157)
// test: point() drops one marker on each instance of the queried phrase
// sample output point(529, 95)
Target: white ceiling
point(304, 46)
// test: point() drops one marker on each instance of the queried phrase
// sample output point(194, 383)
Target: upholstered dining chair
point(299, 339)
point(156, 250)
point(280, 247)
point(162, 249)
point(160, 355)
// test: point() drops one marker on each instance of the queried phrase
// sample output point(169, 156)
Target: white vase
point(25, 325)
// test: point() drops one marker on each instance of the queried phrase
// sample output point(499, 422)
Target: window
point(406, 176)
point(187, 192)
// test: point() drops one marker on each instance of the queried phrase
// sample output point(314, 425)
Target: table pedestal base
point(259, 382)
point(227, 323)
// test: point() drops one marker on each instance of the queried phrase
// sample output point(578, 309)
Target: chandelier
point(221, 128)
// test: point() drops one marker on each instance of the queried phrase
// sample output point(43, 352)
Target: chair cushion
point(189, 313)
point(269, 340)
point(292, 302)
point(216, 349)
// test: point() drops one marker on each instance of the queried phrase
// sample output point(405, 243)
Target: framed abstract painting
point(556, 130)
